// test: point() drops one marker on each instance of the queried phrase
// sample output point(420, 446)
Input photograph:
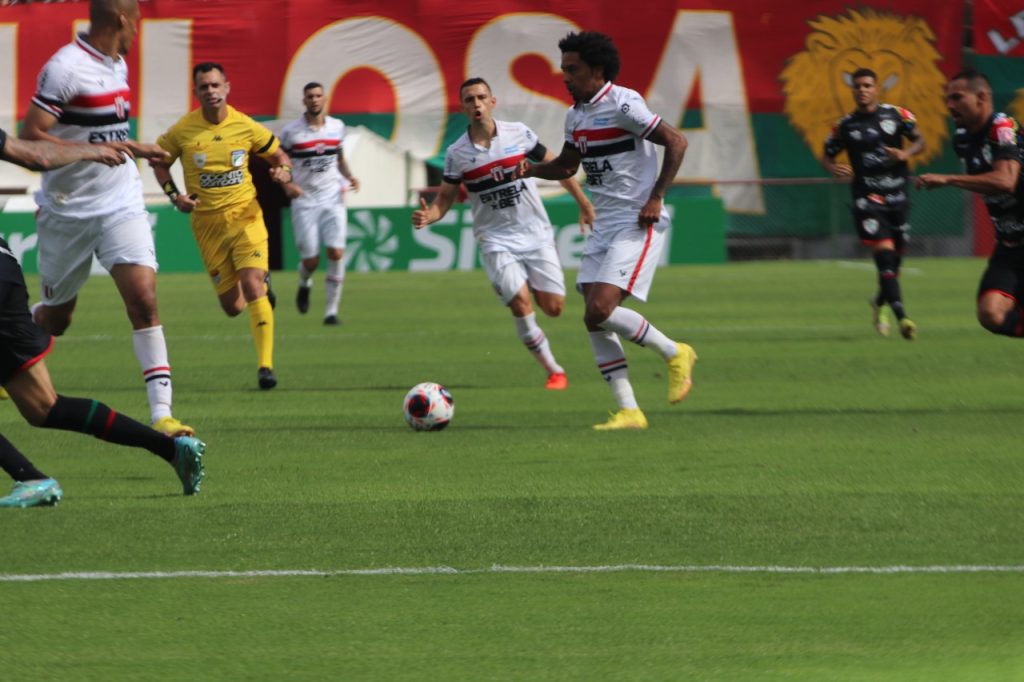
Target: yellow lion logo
point(1017, 106)
point(901, 50)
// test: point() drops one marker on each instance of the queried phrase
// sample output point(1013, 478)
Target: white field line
point(496, 569)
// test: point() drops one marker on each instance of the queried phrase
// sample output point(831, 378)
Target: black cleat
point(266, 378)
point(271, 296)
point(302, 299)
point(332, 321)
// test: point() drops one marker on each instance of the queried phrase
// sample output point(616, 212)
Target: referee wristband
point(171, 190)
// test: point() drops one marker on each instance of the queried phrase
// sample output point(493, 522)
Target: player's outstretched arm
point(43, 155)
point(1002, 179)
point(425, 214)
point(562, 167)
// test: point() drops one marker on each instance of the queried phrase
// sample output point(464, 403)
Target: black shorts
point(875, 225)
point(1005, 272)
point(22, 342)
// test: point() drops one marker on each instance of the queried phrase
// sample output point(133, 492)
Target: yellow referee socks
point(261, 323)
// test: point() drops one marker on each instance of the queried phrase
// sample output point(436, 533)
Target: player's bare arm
point(346, 172)
point(838, 170)
point(280, 167)
point(587, 214)
point(914, 148)
point(1002, 179)
point(43, 155)
point(675, 144)
point(425, 214)
point(562, 167)
point(37, 124)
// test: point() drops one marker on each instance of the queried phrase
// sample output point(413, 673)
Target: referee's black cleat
point(266, 378)
point(271, 296)
point(302, 299)
point(332, 321)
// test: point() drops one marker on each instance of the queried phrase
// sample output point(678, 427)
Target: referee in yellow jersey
point(213, 143)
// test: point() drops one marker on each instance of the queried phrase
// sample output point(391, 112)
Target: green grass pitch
point(808, 441)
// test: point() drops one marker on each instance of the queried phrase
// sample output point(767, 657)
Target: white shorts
point(316, 224)
point(626, 257)
point(67, 245)
point(508, 271)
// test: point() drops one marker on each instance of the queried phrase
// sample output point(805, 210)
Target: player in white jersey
point(320, 178)
point(612, 133)
point(513, 231)
point(89, 208)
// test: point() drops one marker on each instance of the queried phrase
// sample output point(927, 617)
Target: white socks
point(533, 338)
point(151, 352)
point(333, 285)
point(631, 325)
point(611, 361)
point(305, 276)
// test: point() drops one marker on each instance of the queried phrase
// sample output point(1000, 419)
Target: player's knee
point(886, 261)
point(991, 318)
point(55, 325)
point(595, 314)
point(232, 308)
point(552, 307)
point(143, 313)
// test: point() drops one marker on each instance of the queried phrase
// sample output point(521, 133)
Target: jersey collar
point(81, 42)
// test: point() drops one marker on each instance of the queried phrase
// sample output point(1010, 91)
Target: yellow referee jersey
point(215, 157)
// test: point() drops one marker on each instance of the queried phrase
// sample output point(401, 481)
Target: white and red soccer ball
point(428, 407)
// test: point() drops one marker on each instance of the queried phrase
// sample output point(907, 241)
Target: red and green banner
point(754, 84)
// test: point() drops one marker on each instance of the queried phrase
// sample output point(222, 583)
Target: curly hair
point(595, 49)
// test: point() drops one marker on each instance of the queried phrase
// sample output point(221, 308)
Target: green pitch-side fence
point(383, 238)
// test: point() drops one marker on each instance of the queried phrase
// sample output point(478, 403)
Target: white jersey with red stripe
point(87, 91)
point(314, 153)
point(507, 214)
point(610, 132)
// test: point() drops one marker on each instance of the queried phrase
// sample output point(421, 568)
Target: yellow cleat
point(680, 371)
point(4, 395)
point(908, 329)
point(626, 418)
point(169, 426)
point(880, 317)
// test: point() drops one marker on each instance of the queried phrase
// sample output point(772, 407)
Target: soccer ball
point(428, 407)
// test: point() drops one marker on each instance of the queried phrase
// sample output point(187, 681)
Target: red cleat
point(557, 382)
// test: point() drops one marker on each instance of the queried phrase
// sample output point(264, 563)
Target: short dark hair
point(863, 73)
point(206, 67)
point(595, 49)
point(976, 80)
point(310, 85)
point(474, 81)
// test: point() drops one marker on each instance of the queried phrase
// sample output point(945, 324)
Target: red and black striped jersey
point(610, 132)
point(314, 153)
point(507, 214)
point(87, 92)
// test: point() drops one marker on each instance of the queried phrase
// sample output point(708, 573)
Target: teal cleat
point(188, 462)
point(45, 492)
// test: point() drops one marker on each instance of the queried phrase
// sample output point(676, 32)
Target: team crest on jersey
point(498, 173)
point(320, 148)
point(870, 225)
point(120, 108)
point(889, 126)
point(199, 158)
point(237, 157)
point(581, 144)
